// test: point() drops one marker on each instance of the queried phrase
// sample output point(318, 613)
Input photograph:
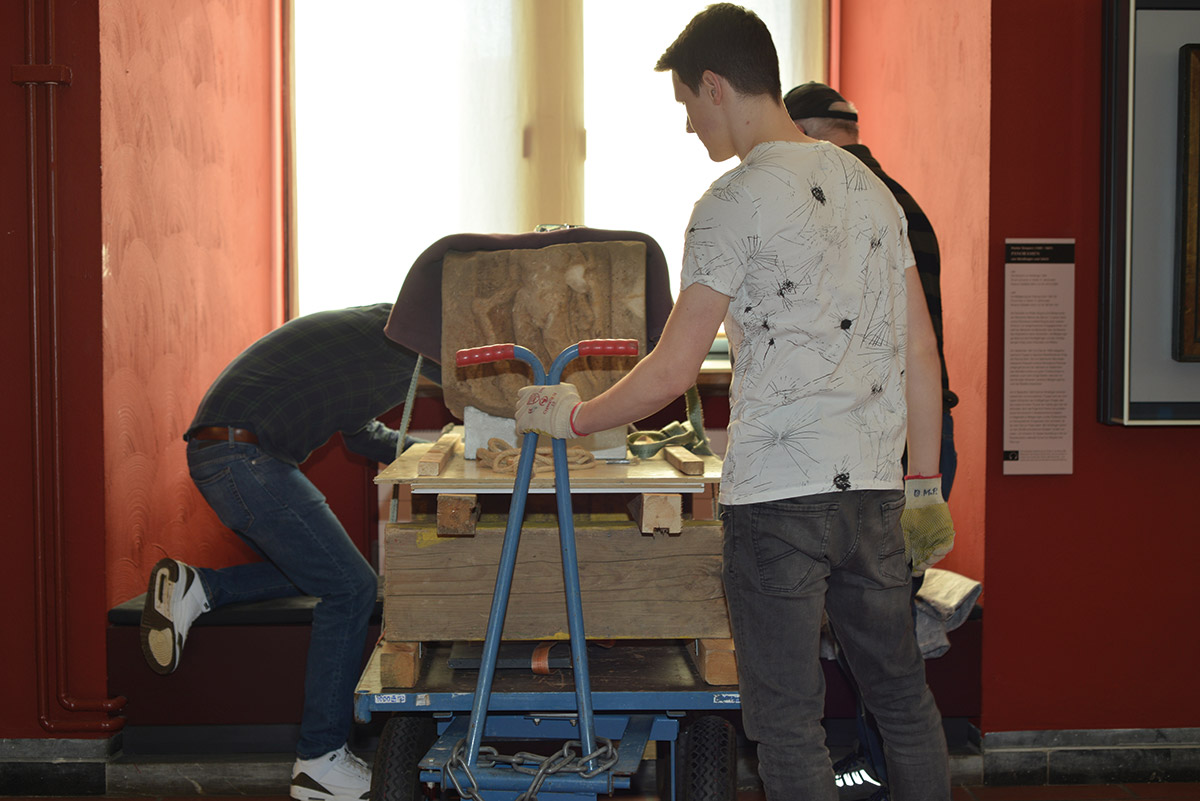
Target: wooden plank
point(704, 503)
point(404, 509)
point(715, 660)
point(457, 515)
point(469, 475)
point(657, 512)
point(399, 663)
point(684, 460)
point(633, 586)
point(433, 461)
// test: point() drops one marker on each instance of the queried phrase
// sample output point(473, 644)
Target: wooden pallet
point(654, 575)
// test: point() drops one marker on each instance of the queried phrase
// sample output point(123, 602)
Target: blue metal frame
point(629, 723)
point(503, 779)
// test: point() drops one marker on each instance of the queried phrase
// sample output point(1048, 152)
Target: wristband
point(571, 420)
point(922, 491)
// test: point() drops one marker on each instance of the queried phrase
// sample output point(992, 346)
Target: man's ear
point(713, 86)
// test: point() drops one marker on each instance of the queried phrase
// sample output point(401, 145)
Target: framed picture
point(1186, 346)
point(1149, 332)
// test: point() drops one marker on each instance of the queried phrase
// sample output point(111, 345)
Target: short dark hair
point(732, 42)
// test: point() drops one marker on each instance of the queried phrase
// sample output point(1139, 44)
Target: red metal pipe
point(47, 422)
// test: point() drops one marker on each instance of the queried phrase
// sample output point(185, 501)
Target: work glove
point(928, 529)
point(548, 410)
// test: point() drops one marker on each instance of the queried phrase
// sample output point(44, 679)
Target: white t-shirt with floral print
point(811, 248)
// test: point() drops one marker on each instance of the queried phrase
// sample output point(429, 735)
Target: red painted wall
point(919, 73)
point(1090, 577)
point(193, 266)
point(1091, 600)
point(169, 263)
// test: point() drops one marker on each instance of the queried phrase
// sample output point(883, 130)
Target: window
point(408, 128)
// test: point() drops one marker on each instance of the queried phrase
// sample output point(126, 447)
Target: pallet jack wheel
point(396, 775)
point(707, 761)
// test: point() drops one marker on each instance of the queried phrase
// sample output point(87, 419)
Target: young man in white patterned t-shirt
point(803, 254)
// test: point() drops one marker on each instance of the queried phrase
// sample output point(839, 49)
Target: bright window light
point(644, 172)
point(406, 131)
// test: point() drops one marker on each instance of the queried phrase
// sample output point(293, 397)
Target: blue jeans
point(278, 512)
point(843, 553)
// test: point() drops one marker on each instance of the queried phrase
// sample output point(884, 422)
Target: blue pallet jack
point(419, 753)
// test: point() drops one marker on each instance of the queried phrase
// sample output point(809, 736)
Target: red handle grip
point(484, 353)
point(608, 347)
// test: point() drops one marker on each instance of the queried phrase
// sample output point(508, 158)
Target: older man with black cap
point(822, 113)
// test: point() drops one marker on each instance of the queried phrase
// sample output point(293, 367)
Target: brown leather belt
point(224, 434)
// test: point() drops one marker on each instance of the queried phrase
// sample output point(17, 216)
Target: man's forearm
point(667, 372)
point(923, 384)
point(374, 441)
point(645, 390)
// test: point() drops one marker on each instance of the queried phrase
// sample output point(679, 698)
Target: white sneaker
point(336, 776)
point(854, 780)
point(174, 599)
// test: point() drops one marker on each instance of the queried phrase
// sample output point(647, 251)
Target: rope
point(502, 457)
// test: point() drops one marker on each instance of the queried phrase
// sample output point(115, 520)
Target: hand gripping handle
point(483, 354)
point(608, 347)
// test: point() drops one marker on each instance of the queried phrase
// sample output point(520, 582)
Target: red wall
point(1090, 609)
point(193, 263)
point(169, 263)
point(919, 73)
point(1091, 599)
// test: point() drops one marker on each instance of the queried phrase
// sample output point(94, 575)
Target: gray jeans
point(843, 553)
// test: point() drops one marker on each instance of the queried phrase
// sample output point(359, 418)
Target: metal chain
point(565, 760)
point(457, 760)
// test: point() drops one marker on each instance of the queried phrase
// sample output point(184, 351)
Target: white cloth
point(943, 603)
point(811, 247)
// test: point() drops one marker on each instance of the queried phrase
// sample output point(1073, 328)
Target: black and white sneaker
point(854, 779)
point(336, 776)
point(174, 599)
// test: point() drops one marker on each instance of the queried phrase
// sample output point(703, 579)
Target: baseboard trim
point(1091, 756)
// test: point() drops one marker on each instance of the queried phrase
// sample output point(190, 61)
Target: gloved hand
point(548, 410)
point(928, 529)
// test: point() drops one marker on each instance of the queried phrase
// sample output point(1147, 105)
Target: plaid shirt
point(316, 375)
point(925, 248)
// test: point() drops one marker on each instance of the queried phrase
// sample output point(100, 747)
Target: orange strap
point(541, 658)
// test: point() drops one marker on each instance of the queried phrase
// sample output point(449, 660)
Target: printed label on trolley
point(392, 698)
point(727, 698)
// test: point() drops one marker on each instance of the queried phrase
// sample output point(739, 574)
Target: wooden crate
point(633, 585)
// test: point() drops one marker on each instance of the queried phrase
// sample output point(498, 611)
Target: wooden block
point(657, 512)
point(397, 498)
point(684, 460)
point(632, 586)
point(704, 503)
point(715, 660)
point(457, 515)
point(399, 663)
point(435, 459)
